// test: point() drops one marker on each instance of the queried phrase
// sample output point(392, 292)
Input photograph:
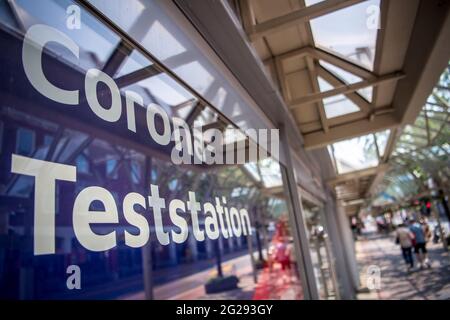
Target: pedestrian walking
point(420, 245)
point(404, 237)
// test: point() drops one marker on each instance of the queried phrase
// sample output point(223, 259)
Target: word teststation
point(218, 218)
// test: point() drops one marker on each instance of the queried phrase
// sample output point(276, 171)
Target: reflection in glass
point(337, 105)
point(110, 156)
point(25, 141)
point(322, 260)
point(355, 154)
point(95, 40)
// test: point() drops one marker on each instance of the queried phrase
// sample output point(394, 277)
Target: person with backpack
point(420, 246)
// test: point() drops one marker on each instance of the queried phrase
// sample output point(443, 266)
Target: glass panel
point(435, 108)
point(136, 61)
point(253, 169)
point(96, 42)
point(25, 141)
point(271, 174)
point(171, 41)
point(415, 130)
point(413, 141)
point(348, 78)
point(402, 150)
point(82, 164)
point(231, 135)
point(436, 115)
point(419, 153)
point(268, 170)
point(311, 2)
point(1, 135)
point(162, 90)
point(446, 147)
point(355, 154)
point(382, 139)
point(124, 212)
point(438, 151)
point(350, 32)
point(337, 105)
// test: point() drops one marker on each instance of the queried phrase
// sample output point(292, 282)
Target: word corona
point(211, 146)
point(218, 218)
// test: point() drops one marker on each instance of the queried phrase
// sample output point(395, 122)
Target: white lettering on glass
point(34, 42)
point(45, 174)
point(95, 207)
point(189, 148)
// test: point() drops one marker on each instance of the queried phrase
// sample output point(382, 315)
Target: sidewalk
point(396, 282)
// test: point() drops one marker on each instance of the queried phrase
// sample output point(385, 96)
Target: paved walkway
point(396, 282)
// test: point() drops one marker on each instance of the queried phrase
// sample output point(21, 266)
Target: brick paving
point(396, 282)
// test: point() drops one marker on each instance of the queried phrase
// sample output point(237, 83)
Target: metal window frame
point(295, 212)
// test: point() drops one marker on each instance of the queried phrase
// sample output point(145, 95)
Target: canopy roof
point(353, 74)
point(422, 152)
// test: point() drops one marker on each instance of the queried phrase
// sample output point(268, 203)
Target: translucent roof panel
point(355, 154)
point(337, 105)
point(253, 169)
point(96, 43)
point(416, 131)
point(435, 108)
point(350, 32)
point(163, 90)
point(428, 133)
point(271, 173)
point(266, 170)
point(436, 115)
point(232, 135)
point(135, 61)
point(311, 2)
point(412, 141)
point(446, 147)
point(382, 139)
point(438, 151)
point(348, 78)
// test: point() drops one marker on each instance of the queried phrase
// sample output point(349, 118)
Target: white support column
point(349, 246)
point(297, 223)
point(345, 285)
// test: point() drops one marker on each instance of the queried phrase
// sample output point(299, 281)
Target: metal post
point(218, 258)
point(147, 264)
point(252, 257)
point(147, 270)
